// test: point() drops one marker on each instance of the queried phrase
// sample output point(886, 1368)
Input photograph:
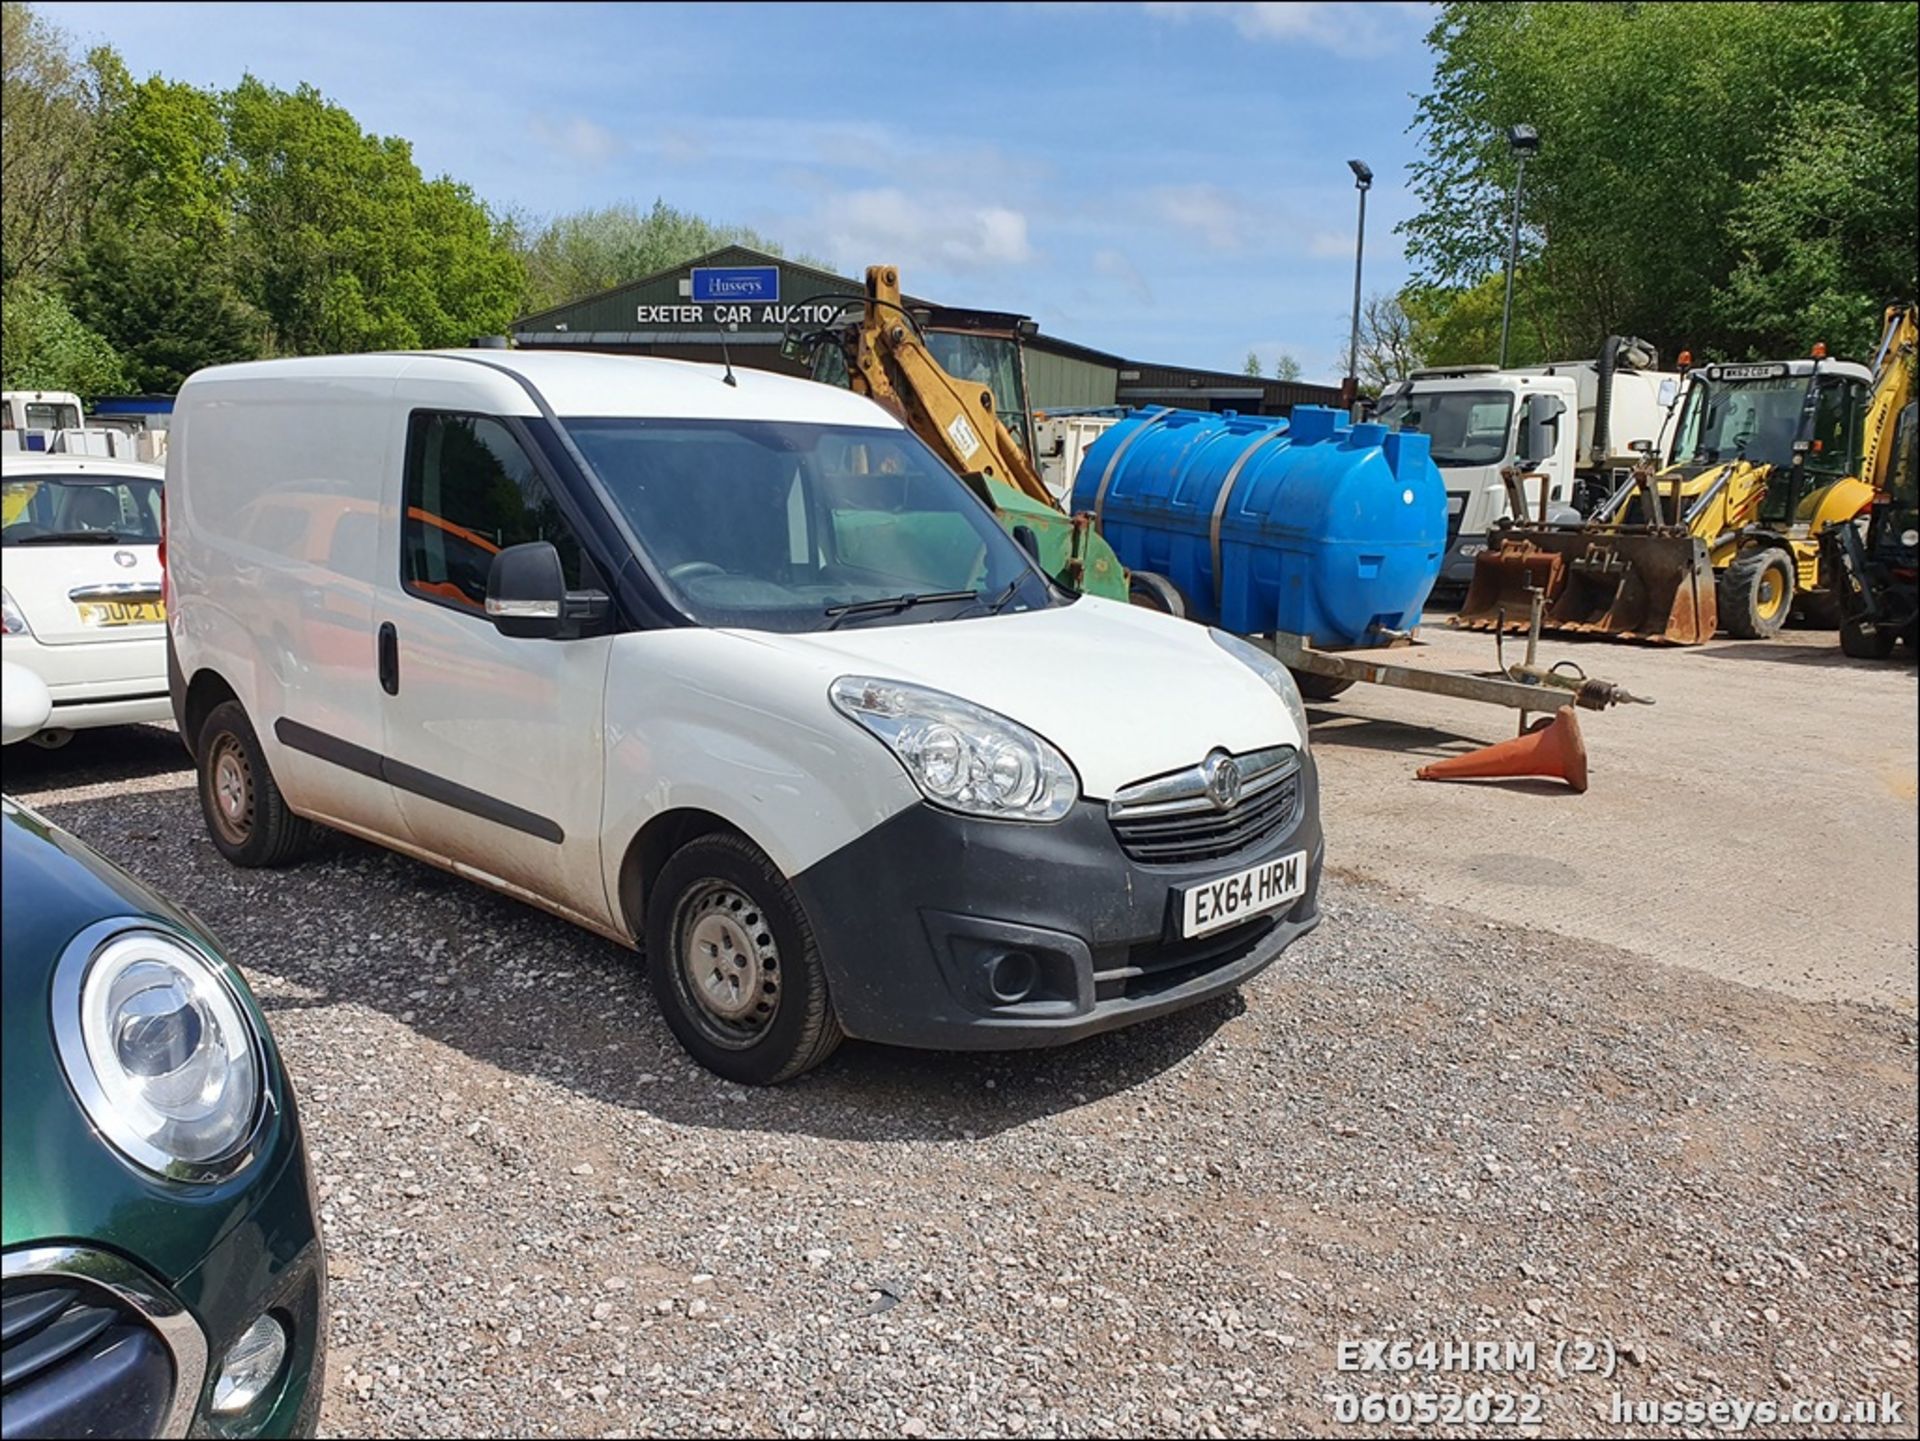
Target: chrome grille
point(1174, 820)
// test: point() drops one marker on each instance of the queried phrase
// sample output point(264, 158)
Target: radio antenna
point(728, 378)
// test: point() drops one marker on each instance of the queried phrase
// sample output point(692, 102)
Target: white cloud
point(1344, 28)
point(576, 138)
point(1216, 215)
point(1329, 245)
point(949, 231)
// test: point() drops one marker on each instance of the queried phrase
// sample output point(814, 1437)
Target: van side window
point(471, 492)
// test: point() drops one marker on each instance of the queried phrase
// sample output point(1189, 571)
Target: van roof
point(575, 383)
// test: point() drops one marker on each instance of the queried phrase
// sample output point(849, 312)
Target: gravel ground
point(1419, 1125)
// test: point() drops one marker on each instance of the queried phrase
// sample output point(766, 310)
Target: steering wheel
point(689, 569)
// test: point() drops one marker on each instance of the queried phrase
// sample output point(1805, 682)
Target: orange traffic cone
point(1551, 748)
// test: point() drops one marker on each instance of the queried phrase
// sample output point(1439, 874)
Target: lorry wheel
point(1319, 687)
point(1863, 640)
point(1155, 592)
point(1756, 593)
point(733, 964)
point(246, 815)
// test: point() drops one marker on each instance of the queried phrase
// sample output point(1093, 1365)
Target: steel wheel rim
point(1772, 591)
point(726, 963)
point(230, 789)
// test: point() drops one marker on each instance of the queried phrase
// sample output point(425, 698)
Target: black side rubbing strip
point(372, 764)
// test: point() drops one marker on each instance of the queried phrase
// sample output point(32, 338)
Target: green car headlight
point(159, 1049)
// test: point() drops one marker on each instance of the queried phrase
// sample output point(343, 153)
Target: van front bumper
point(931, 921)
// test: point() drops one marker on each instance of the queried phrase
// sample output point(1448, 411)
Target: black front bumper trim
point(912, 917)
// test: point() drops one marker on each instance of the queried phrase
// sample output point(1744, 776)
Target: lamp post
point(1362, 181)
point(1522, 140)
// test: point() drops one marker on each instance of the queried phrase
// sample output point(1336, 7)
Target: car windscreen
point(55, 509)
point(1466, 427)
point(786, 526)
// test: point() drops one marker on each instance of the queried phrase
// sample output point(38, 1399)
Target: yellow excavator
point(1765, 457)
point(883, 354)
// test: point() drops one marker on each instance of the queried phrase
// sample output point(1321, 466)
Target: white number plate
point(1243, 895)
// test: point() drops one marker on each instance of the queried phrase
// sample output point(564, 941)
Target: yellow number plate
point(122, 612)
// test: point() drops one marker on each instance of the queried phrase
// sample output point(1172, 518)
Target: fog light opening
point(250, 1367)
point(1012, 977)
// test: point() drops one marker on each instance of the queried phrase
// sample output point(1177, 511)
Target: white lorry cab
point(730, 667)
point(1475, 416)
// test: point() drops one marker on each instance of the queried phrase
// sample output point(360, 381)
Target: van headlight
point(1277, 676)
point(159, 1049)
point(962, 756)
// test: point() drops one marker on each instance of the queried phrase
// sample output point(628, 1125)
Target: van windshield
point(785, 526)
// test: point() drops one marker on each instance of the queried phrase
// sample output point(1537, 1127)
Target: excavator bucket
point(1633, 585)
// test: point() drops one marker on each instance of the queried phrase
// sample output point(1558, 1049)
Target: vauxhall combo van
point(729, 668)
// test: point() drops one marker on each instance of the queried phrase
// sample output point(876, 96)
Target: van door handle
point(389, 658)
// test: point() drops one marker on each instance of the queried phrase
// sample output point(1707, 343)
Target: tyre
point(1756, 593)
point(1863, 640)
point(246, 815)
point(732, 961)
point(1155, 592)
point(1319, 687)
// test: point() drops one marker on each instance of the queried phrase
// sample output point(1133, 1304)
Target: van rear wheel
point(732, 961)
point(246, 815)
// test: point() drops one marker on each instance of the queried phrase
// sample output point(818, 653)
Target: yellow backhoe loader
point(1765, 457)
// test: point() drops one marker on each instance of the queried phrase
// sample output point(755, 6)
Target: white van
point(729, 666)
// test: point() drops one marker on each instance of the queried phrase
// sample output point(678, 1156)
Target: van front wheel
point(733, 963)
point(246, 815)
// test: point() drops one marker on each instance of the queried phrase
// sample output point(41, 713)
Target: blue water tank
point(1309, 525)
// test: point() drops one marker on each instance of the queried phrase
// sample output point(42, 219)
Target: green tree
point(345, 246)
point(1680, 144)
point(168, 307)
point(42, 347)
point(1252, 365)
point(588, 251)
point(52, 107)
point(1460, 325)
point(1286, 367)
point(155, 273)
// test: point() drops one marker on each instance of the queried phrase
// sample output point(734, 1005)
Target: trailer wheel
point(1155, 592)
point(1756, 593)
point(1863, 640)
point(1319, 687)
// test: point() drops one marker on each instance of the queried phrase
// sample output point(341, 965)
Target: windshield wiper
point(1005, 598)
point(70, 537)
point(888, 604)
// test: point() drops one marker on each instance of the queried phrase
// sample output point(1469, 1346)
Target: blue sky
point(1167, 181)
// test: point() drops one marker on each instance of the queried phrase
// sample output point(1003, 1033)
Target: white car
point(82, 600)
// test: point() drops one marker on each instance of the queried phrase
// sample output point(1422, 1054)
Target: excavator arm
point(1893, 383)
point(888, 360)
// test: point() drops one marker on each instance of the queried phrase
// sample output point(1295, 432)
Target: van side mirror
point(1024, 537)
point(528, 599)
point(1541, 428)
